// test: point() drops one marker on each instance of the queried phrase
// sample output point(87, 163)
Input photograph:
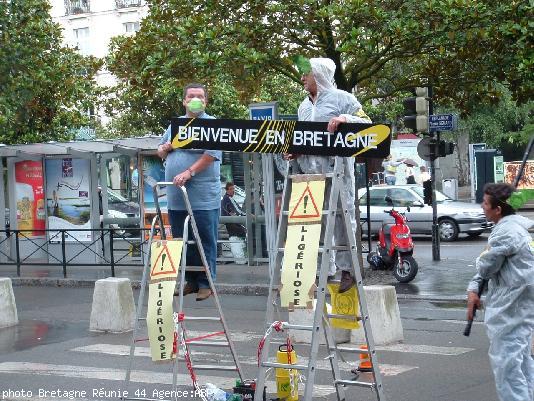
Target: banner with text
point(302, 242)
point(274, 136)
point(159, 320)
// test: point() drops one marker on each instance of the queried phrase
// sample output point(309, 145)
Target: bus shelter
point(88, 202)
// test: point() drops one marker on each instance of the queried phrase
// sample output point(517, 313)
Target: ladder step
point(321, 249)
point(350, 349)
point(209, 343)
point(300, 177)
point(354, 383)
point(298, 327)
point(284, 365)
point(345, 317)
point(216, 367)
point(202, 318)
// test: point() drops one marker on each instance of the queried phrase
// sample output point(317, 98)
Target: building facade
point(89, 25)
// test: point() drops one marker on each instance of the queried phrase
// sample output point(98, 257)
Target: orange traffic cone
point(365, 361)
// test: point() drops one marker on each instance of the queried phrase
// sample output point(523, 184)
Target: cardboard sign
point(274, 136)
point(300, 265)
point(165, 259)
point(159, 320)
point(344, 304)
point(306, 202)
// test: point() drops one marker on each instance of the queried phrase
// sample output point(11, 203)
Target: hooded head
point(323, 70)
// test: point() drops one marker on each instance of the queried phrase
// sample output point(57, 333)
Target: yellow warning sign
point(299, 266)
point(344, 304)
point(159, 320)
point(165, 259)
point(306, 203)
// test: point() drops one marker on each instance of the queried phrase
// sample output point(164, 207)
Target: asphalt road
point(52, 349)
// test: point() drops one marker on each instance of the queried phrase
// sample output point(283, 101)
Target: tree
point(381, 48)
point(45, 88)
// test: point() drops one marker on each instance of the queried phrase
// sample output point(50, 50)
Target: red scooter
point(395, 248)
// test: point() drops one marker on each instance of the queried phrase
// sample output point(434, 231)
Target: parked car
point(454, 217)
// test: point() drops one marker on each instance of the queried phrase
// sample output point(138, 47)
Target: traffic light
point(416, 110)
point(427, 192)
point(445, 148)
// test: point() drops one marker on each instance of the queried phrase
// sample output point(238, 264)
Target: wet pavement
point(442, 279)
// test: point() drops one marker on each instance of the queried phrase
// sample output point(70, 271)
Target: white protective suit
point(509, 265)
point(332, 102)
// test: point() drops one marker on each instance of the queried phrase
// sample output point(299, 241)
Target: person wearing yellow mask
point(199, 172)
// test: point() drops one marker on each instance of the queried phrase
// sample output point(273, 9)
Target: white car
point(454, 217)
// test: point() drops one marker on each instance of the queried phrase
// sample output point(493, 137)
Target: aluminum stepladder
point(321, 322)
point(178, 304)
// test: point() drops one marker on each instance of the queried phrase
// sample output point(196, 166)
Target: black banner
point(273, 136)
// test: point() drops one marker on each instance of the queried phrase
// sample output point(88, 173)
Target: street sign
point(442, 122)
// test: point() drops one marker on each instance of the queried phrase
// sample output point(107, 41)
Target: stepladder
point(191, 334)
point(336, 226)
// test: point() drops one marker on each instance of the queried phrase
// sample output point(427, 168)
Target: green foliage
point(381, 49)
point(44, 87)
point(502, 124)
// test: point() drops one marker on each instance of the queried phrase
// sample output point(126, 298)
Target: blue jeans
point(207, 224)
point(390, 179)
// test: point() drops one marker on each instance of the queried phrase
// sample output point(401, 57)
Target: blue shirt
point(204, 189)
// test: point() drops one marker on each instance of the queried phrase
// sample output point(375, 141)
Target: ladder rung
point(209, 343)
point(286, 212)
point(345, 317)
point(202, 318)
point(349, 349)
point(215, 367)
point(284, 366)
point(194, 268)
point(298, 327)
point(326, 175)
point(141, 319)
point(355, 383)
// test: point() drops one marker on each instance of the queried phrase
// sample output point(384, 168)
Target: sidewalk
point(441, 281)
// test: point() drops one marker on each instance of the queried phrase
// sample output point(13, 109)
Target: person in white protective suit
point(508, 264)
point(327, 103)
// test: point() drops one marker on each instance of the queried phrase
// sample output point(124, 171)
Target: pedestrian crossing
point(160, 375)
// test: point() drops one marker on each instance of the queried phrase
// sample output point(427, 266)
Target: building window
point(76, 7)
point(131, 27)
point(127, 3)
point(81, 36)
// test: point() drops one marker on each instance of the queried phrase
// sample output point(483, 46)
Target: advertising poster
point(406, 149)
point(67, 198)
point(29, 197)
point(153, 172)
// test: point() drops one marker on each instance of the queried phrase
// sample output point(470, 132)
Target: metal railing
point(108, 255)
point(127, 3)
point(73, 7)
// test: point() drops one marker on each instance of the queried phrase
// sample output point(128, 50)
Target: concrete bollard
point(113, 307)
point(305, 317)
point(8, 306)
point(384, 313)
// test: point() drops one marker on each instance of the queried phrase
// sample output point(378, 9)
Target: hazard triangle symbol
point(305, 207)
point(163, 264)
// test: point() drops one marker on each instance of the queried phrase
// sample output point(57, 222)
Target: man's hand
point(473, 300)
point(334, 122)
point(290, 156)
point(182, 178)
point(164, 150)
